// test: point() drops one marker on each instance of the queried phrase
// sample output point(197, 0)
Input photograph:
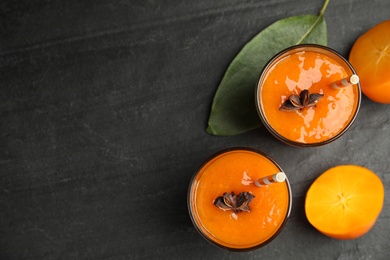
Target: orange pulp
point(345, 201)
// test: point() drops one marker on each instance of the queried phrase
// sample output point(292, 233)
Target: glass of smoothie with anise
point(308, 95)
point(237, 200)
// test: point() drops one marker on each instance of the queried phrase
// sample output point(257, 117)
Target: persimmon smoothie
point(217, 200)
point(296, 100)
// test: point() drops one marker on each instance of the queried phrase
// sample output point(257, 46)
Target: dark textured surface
point(104, 106)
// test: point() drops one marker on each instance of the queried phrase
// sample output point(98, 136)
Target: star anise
point(305, 99)
point(229, 201)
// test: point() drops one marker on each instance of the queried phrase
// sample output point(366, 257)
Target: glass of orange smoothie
point(302, 97)
point(228, 207)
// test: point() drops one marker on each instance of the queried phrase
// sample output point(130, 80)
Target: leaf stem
point(321, 14)
point(324, 7)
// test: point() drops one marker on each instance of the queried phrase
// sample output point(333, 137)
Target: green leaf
point(233, 110)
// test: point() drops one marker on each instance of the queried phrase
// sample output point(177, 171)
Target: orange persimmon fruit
point(345, 201)
point(370, 56)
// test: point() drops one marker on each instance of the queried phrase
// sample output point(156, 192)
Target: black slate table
point(104, 106)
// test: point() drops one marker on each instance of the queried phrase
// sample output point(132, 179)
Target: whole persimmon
point(370, 56)
point(345, 201)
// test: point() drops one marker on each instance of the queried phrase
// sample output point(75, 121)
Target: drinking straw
point(348, 81)
point(275, 178)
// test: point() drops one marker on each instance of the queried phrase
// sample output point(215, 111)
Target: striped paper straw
point(348, 81)
point(275, 178)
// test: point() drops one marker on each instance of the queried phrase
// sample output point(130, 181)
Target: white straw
point(348, 81)
point(275, 178)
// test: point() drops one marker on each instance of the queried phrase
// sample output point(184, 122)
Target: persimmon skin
point(345, 201)
point(370, 56)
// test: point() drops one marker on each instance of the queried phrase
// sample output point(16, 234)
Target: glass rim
point(193, 214)
point(258, 95)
